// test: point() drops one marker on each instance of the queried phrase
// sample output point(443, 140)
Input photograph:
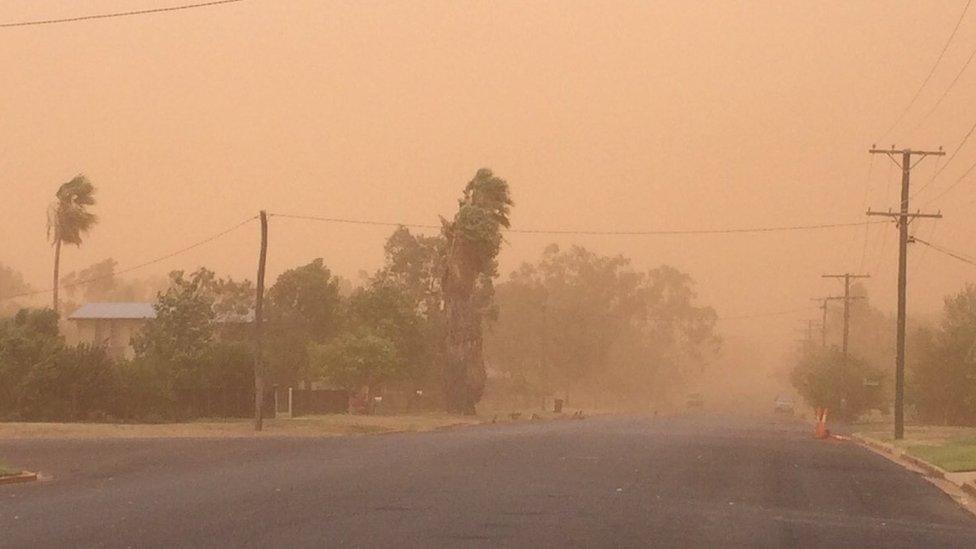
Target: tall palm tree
point(68, 219)
point(473, 239)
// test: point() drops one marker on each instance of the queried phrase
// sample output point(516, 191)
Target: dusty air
point(497, 274)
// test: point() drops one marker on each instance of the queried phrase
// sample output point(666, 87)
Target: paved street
point(607, 481)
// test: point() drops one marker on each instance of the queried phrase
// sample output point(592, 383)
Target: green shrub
point(845, 387)
point(73, 384)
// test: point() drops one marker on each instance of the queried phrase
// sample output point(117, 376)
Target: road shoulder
point(959, 486)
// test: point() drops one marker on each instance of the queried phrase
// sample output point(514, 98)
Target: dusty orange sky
point(601, 115)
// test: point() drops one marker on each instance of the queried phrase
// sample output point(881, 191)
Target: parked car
point(695, 400)
point(784, 404)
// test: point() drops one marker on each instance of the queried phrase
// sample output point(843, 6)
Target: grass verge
point(311, 426)
point(951, 448)
point(955, 456)
point(7, 471)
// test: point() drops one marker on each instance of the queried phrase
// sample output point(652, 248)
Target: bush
point(825, 380)
point(28, 339)
point(74, 384)
point(942, 385)
point(42, 379)
point(220, 383)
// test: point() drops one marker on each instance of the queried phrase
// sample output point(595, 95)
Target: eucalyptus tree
point(68, 219)
point(472, 242)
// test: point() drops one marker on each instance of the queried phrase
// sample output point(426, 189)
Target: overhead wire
point(946, 251)
point(930, 73)
point(916, 265)
point(948, 161)
point(356, 221)
point(585, 232)
point(867, 221)
point(954, 184)
point(945, 93)
point(116, 14)
point(135, 267)
point(769, 314)
point(412, 225)
point(883, 239)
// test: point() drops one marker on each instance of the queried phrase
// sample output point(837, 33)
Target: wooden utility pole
point(902, 219)
point(847, 305)
point(808, 330)
point(823, 324)
point(259, 328)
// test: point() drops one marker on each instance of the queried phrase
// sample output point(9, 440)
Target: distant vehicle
point(784, 404)
point(695, 400)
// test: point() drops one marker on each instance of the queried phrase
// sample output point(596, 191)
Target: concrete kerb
point(24, 476)
point(960, 488)
point(930, 469)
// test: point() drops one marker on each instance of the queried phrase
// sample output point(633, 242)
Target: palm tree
point(473, 239)
point(68, 219)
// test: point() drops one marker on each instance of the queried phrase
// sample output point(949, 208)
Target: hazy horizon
point(674, 115)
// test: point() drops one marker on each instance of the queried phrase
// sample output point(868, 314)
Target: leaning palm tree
point(473, 239)
point(68, 219)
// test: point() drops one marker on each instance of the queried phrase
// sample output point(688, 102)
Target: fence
point(303, 402)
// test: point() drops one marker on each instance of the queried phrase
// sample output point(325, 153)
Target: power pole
point(808, 330)
point(823, 323)
point(902, 219)
point(259, 328)
point(847, 304)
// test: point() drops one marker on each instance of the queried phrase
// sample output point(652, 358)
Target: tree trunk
point(57, 275)
point(464, 375)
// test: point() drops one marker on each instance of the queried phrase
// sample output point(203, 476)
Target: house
point(112, 325)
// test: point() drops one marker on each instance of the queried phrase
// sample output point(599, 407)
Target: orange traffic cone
point(820, 431)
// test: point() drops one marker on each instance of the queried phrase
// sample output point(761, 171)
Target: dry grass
point(312, 426)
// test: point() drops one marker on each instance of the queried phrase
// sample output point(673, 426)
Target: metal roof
point(109, 310)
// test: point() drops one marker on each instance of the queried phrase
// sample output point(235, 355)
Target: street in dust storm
point(601, 482)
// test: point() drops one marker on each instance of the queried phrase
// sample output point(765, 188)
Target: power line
point(774, 313)
point(883, 237)
point(881, 251)
point(619, 316)
point(116, 14)
point(931, 72)
point(946, 251)
point(953, 185)
point(136, 267)
point(913, 270)
point(947, 162)
point(781, 228)
point(591, 232)
point(864, 203)
point(356, 221)
point(945, 93)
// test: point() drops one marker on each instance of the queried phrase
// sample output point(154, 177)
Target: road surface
point(600, 482)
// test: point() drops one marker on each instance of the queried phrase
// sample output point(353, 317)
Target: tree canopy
point(942, 369)
point(580, 322)
point(846, 387)
point(355, 360)
point(68, 216)
point(304, 308)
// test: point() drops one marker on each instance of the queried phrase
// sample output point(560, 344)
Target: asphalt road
point(600, 482)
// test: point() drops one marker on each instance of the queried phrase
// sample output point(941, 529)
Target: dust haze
point(345, 120)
